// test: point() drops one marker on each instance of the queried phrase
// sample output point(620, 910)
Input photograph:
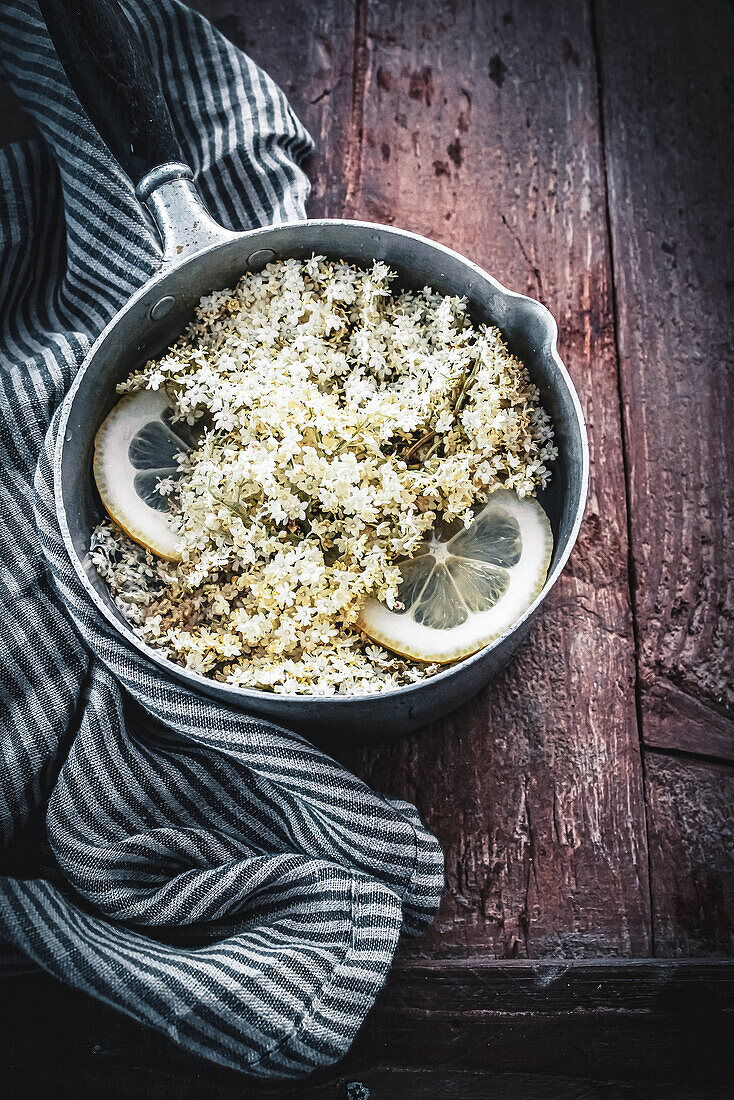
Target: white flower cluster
point(338, 418)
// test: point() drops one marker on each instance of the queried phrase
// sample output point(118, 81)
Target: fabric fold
point(297, 1007)
point(221, 879)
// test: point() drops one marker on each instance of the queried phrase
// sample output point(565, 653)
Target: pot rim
point(206, 685)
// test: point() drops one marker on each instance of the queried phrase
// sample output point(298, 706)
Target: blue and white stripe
point(213, 876)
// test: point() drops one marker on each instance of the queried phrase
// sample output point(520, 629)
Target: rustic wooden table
point(580, 151)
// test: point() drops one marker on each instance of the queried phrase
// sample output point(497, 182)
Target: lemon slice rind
point(401, 633)
point(115, 474)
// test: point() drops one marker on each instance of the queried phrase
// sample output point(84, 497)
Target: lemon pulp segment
point(465, 589)
point(135, 449)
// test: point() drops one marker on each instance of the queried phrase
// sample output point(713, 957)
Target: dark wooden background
point(581, 151)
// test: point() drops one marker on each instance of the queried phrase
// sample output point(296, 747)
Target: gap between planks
point(360, 66)
point(596, 49)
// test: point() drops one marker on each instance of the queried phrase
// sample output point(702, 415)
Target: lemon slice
point(464, 589)
point(134, 449)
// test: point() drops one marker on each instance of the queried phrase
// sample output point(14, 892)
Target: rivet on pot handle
point(109, 69)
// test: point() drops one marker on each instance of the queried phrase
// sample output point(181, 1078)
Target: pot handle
point(111, 73)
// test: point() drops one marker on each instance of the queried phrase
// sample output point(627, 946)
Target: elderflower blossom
point(337, 419)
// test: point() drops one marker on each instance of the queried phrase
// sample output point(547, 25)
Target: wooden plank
point(668, 120)
point(480, 128)
point(379, 1083)
point(691, 829)
point(673, 719)
point(670, 159)
point(438, 1030)
point(678, 986)
point(384, 1084)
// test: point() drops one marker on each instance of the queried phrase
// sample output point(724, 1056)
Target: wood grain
point(525, 1030)
point(666, 77)
point(673, 719)
point(534, 788)
point(691, 826)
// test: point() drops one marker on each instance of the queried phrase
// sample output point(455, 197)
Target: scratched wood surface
point(670, 167)
point(668, 120)
point(527, 1030)
point(535, 787)
point(581, 151)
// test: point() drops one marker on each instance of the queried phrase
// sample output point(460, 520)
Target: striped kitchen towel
point(213, 876)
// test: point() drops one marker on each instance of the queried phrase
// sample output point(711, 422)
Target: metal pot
point(199, 257)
